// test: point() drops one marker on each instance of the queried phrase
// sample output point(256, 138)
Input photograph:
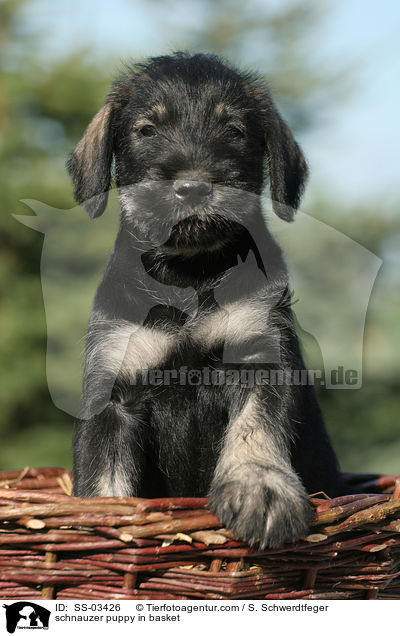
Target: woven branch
point(53, 545)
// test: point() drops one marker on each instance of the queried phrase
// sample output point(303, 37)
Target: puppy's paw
point(264, 506)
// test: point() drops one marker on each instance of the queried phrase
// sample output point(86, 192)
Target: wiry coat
point(196, 282)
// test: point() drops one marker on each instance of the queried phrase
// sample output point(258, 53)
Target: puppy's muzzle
point(191, 192)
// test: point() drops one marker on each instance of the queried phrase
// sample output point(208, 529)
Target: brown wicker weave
point(55, 546)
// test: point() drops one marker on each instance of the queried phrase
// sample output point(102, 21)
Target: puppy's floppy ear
point(287, 166)
point(90, 163)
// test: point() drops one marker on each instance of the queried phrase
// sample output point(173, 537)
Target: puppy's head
point(191, 138)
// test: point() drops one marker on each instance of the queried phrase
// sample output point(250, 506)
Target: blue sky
point(358, 151)
point(354, 153)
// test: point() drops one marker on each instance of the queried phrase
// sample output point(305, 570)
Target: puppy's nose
point(191, 191)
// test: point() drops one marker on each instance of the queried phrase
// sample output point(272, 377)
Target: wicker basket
point(55, 546)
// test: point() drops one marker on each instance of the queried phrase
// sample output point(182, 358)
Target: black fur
point(179, 124)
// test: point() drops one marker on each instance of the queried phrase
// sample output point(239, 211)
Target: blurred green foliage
point(45, 104)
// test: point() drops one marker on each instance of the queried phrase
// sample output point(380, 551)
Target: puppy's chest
point(239, 329)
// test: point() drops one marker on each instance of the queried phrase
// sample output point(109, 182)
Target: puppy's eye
point(234, 132)
point(147, 131)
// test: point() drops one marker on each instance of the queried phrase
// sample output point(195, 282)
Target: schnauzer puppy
point(194, 302)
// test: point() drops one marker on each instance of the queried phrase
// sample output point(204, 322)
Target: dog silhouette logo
point(331, 338)
point(26, 615)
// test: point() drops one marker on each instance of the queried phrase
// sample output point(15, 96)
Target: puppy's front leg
point(111, 438)
point(109, 453)
point(255, 491)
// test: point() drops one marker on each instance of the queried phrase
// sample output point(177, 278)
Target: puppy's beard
point(189, 251)
point(155, 216)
